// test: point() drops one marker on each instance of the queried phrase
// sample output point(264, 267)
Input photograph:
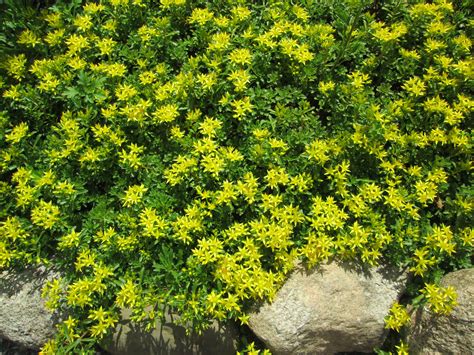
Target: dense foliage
point(186, 153)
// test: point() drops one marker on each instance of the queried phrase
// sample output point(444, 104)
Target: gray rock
point(23, 316)
point(170, 339)
point(451, 334)
point(332, 308)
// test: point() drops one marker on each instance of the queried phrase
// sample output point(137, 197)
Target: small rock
point(170, 339)
point(23, 316)
point(332, 308)
point(452, 334)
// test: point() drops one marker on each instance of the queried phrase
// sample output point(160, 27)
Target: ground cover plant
point(184, 154)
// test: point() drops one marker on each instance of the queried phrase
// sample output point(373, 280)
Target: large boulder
point(23, 316)
point(171, 339)
point(332, 308)
point(452, 334)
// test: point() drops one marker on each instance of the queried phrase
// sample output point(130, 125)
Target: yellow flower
point(12, 229)
point(385, 34)
point(213, 164)
point(231, 154)
point(47, 178)
point(318, 150)
point(153, 225)
point(227, 194)
point(79, 293)
point(241, 107)
point(240, 56)
point(53, 19)
point(207, 81)
point(76, 63)
point(244, 319)
point(106, 46)
point(209, 126)
point(83, 23)
point(49, 348)
point(85, 258)
point(397, 318)
point(208, 250)
point(240, 79)
point(118, 3)
point(394, 199)
point(326, 86)
point(70, 240)
point(240, 13)
point(48, 83)
point(176, 133)
point(168, 3)
point(288, 45)
point(131, 158)
point(124, 92)
point(270, 202)
point(279, 144)
point(99, 330)
point(147, 77)
point(464, 42)
point(16, 66)
point(45, 214)
point(358, 79)
point(402, 348)
point(248, 187)
point(13, 93)
point(425, 191)
point(261, 134)
point(302, 54)
point(166, 113)
point(441, 300)
point(18, 132)
point(438, 27)
point(433, 45)
point(29, 38)
point(423, 263)
point(175, 173)
point(371, 192)
point(222, 21)
point(441, 237)
point(301, 182)
point(76, 43)
point(64, 188)
point(104, 237)
point(115, 69)
point(414, 86)
point(467, 235)
point(71, 324)
point(219, 41)
point(318, 248)
point(51, 291)
point(97, 314)
point(134, 195)
point(93, 8)
point(128, 294)
point(200, 16)
point(276, 176)
point(300, 13)
point(147, 33)
point(410, 54)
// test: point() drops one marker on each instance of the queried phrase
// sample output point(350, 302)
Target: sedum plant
point(182, 155)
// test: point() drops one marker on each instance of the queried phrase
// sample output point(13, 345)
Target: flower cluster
point(441, 300)
point(184, 155)
point(397, 317)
